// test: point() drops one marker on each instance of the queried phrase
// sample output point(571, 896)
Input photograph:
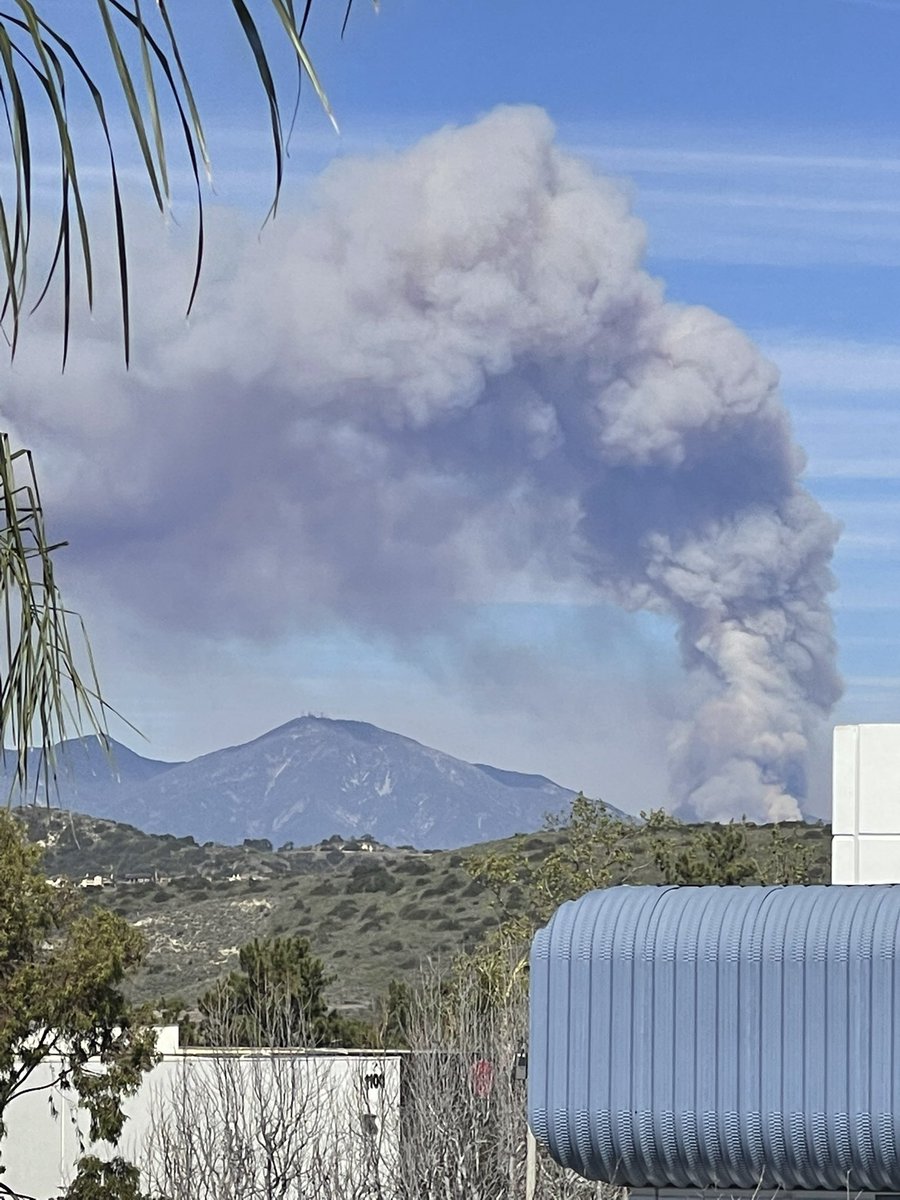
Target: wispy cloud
point(884, 5)
point(869, 543)
point(869, 511)
point(854, 468)
point(830, 365)
point(787, 202)
point(684, 160)
point(769, 202)
point(864, 602)
point(870, 640)
point(759, 197)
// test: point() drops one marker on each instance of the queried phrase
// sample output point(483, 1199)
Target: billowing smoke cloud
point(451, 371)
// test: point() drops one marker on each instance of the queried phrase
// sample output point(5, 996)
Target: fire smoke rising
point(455, 358)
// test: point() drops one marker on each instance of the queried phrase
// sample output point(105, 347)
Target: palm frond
point(43, 692)
point(152, 79)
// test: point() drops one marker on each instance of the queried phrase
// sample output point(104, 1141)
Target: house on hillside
point(366, 844)
point(95, 881)
point(139, 876)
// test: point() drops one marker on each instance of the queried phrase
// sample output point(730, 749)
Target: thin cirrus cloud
point(884, 5)
point(834, 365)
point(760, 204)
point(855, 468)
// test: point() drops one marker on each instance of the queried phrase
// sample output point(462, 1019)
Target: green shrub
point(372, 877)
point(262, 844)
point(412, 866)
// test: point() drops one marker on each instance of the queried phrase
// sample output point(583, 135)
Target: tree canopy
point(62, 967)
point(592, 848)
point(277, 997)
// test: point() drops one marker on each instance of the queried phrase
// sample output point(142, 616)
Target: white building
point(865, 821)
point(209, 1123)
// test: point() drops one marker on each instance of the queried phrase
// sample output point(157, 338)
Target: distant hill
point(305, 781)
point(85, 770)
point(373, 915)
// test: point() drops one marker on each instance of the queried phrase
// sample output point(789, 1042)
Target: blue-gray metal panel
point(727, 1037)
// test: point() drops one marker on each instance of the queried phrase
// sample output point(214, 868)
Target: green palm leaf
point(43, 693)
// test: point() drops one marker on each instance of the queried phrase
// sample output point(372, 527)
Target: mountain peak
point(307, 779)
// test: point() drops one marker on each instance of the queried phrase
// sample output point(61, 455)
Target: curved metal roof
point(720, 1037)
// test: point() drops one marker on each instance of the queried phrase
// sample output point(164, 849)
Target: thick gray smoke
point(454, 370)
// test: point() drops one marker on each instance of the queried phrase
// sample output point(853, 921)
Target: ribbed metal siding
point(720, 1037)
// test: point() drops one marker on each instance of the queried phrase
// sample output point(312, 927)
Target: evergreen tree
point(276, 998)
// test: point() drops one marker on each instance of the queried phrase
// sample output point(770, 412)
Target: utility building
point(723, 1038)
point(734, 1039)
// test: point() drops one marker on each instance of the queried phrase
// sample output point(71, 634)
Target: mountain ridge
point(305, 780)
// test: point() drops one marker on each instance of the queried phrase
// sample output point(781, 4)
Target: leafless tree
point(463, 1133)
point(264, 1125)
point(272, 1122)
point(444, 1121)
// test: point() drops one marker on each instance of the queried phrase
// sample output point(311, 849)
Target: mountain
point(306, 780)
point(85, 771)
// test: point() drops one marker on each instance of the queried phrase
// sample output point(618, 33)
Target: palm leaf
point(30, 41)
point(43, 692)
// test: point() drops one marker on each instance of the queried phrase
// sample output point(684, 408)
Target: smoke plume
point(451, 370)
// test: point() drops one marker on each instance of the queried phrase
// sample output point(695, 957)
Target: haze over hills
point(304, 781)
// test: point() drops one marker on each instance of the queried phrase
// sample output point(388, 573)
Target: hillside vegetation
point(371, 915)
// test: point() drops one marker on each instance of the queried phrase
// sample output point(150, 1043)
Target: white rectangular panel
point(866, 804)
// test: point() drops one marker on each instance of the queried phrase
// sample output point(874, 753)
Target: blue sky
point(760, 143)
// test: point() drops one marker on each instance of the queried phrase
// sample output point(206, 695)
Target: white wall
point(865, 845)
point(336, 1112)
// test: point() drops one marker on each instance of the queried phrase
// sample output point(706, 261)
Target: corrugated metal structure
point(725, 1037)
